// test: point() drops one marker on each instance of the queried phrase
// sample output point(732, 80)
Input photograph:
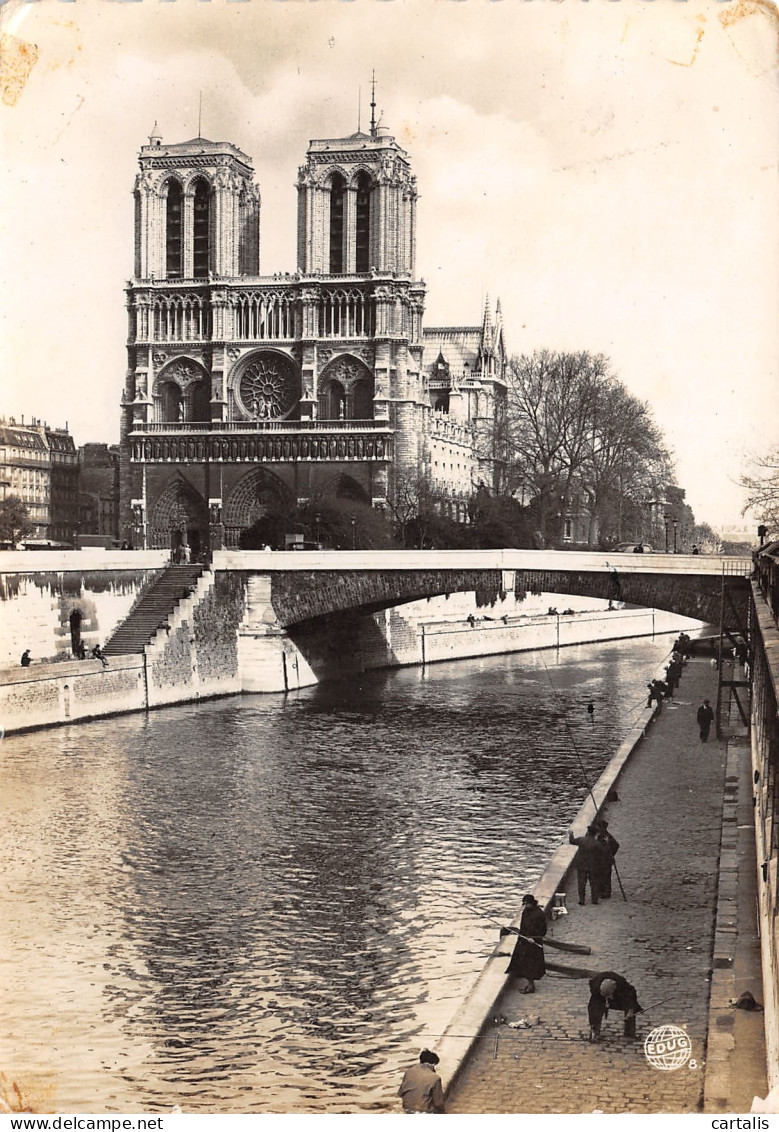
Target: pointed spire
point(373, 104)
point(486, 332)
point(498, 319)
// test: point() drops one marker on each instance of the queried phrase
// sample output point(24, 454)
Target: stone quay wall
point(39, 591)
point(227, 637)
point(764, 737)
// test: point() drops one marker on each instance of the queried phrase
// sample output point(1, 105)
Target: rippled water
point(271, 903)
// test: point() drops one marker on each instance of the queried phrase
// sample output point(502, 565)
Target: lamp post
point(676, 527)
point(666, 534)
point(762, 531)
point(317, 520)
point(354, 532)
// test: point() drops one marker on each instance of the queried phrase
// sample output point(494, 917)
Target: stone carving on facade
point(160, 357)
point(258, 449)
point(233, 353)
point(146, 182)
point(137, 509)
point(224, 178)
point(184, 372)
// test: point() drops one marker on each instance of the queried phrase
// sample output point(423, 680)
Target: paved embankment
point(668, 821)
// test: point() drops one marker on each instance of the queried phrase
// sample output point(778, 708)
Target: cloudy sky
point(608, 169)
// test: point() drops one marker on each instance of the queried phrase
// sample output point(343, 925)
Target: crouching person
point(420, 1090)
point(608, 991)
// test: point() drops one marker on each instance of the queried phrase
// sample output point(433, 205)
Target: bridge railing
point(535, 560)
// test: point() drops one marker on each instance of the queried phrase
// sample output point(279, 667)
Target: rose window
point(268, 388)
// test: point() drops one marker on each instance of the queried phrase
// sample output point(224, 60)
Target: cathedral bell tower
point(357, 202)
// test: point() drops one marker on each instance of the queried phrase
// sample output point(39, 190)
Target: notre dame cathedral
point(246, 392)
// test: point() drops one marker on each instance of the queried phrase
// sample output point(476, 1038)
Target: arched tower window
point(337, 224)
point(363, 223)
point(174, 221)
point(201, 252)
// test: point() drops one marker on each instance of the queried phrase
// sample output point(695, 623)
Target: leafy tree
point(14, 520)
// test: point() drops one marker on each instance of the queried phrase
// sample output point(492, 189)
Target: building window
point(337, 225)
point(363, 233)
point(201, 252)
point(174, 247)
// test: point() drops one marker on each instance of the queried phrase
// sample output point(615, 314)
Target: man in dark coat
point(705, 718)
point(610, 991)
point(592, 861)
point(527, 961)
point(611, 845)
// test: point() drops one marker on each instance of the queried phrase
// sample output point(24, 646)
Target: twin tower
point(247, 393)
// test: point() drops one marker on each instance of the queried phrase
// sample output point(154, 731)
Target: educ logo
point(668, 1048)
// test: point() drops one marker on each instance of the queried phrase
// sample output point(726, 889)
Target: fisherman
point(609, 990)
point(657, 691)
point(421, 1090)
point(591, 862)
point(611, 845)
point(527, 961)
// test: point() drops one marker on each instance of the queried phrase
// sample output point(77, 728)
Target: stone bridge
point(311, 585)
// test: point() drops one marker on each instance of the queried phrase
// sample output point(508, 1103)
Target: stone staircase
point(153, 609)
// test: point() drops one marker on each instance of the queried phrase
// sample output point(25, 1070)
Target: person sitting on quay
point(421, 1090)
point(527, 961)
point(592, 860)
point(25, 661)
point(98, 654)
point(609, 990)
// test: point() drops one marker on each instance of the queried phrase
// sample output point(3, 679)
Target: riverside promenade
point(685, 935)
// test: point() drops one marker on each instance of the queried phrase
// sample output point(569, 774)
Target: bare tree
point(574, 431)
point(761, 484)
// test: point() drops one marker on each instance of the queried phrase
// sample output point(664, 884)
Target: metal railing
point(768, 579)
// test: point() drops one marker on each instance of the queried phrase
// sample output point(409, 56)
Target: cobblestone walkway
point(668, 823)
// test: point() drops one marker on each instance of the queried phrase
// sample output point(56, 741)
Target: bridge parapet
point(534, 560)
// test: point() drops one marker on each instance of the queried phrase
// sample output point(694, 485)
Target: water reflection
point(268, 904)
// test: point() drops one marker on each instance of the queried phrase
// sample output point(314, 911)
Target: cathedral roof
point(459, 345)
point(195, 147)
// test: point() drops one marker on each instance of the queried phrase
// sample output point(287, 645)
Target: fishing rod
point(581, 767)
point(557, 944)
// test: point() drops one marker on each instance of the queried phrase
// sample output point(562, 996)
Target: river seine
point(270, 904)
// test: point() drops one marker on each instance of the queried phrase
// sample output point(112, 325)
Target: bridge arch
point(297, 599)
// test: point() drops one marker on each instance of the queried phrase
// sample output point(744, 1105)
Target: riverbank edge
point(477, 1009)
point(56, 693)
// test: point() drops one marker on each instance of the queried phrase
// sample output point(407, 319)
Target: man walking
point(609, 990)
point(705, 718)
point(420, 1090)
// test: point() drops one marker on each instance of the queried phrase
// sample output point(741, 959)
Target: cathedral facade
point(248, 393)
